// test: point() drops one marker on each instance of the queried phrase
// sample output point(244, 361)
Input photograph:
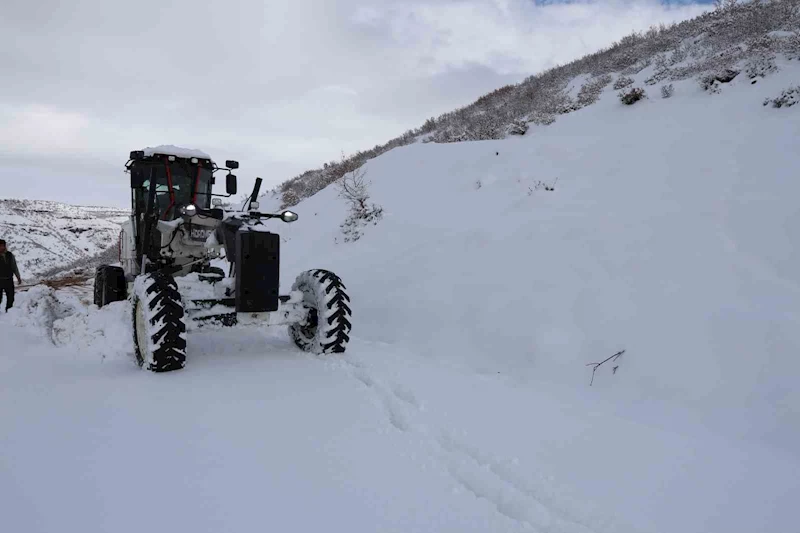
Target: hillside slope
point(670, 234)
point(464, 401)
point(747, 36)
point(46, 235)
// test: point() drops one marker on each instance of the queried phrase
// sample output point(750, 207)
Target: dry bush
point(354, 189)
point(632, 96)
point(591, 90)
point(787, 98)
point(622, 82)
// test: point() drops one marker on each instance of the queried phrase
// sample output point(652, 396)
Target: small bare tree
point(354, 189)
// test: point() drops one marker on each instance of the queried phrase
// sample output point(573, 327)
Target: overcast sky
point(281, 85)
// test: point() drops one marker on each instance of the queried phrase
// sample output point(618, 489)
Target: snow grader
point(177, 229)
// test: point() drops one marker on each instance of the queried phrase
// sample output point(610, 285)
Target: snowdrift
point(669, 234)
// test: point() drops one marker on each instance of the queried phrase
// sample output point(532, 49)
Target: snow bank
point(661, 238)
point(97, 333)
point(67, 318)
point(38, 308)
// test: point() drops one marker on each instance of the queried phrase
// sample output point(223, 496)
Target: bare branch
point(597, 365)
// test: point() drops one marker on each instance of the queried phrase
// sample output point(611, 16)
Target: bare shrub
point(660, 63)
point(787, 98)
point(622, 82)
point(667, 90)
point(679, 55)
point(632, 96)
point(541, 118)
point(760, 66)
point(569, 108)
point(354, 189)
point(591, 90)
point(711, 82)
point(518, 127)
point(637, 67)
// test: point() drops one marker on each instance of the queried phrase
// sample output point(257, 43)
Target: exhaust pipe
point(254, 194)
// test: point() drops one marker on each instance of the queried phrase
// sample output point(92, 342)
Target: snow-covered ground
point(463, 402)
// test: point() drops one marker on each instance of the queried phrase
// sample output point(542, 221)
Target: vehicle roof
point(177, 151)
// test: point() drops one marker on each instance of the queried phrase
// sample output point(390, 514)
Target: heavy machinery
point(177, 228)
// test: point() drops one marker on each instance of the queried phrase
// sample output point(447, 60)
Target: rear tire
point(327, 329)
point(159, 330)
point(109, 285)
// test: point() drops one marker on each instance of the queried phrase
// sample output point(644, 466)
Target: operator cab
point(179, 182)
point(182, 178)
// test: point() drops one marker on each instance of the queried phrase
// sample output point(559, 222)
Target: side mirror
point(233, 165)
point(288, 216)
point(230, 184)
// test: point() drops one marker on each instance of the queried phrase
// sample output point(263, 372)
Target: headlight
point(188, 210)
point(288, 216)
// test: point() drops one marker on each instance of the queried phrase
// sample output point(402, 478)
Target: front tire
point(327, 329)
point(159, 331)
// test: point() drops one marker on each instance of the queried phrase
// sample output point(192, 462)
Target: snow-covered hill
point(744, 38)
point(464, 401)
point(46, 235)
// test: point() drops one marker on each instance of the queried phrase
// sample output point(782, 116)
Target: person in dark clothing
point(8, 270)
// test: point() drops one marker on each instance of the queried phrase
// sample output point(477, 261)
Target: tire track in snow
point(497, 482)
point(395, 414)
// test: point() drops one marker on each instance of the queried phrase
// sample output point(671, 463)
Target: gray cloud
point(282, 86)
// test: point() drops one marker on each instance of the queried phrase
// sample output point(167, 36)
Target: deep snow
point(463, 403)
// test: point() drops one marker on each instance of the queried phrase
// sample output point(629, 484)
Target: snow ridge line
point(492, 480)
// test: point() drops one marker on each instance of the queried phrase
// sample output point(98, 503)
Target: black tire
point(327, 329)
point(109, 285)
point(159, 330)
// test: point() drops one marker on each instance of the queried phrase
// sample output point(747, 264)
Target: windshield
point(178, 183)
point(191, 184)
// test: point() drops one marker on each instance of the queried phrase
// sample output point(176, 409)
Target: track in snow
point(493, 480)
point(250, 426)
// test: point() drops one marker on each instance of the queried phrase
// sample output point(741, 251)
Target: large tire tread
point(164, 316)
point(328, 330)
